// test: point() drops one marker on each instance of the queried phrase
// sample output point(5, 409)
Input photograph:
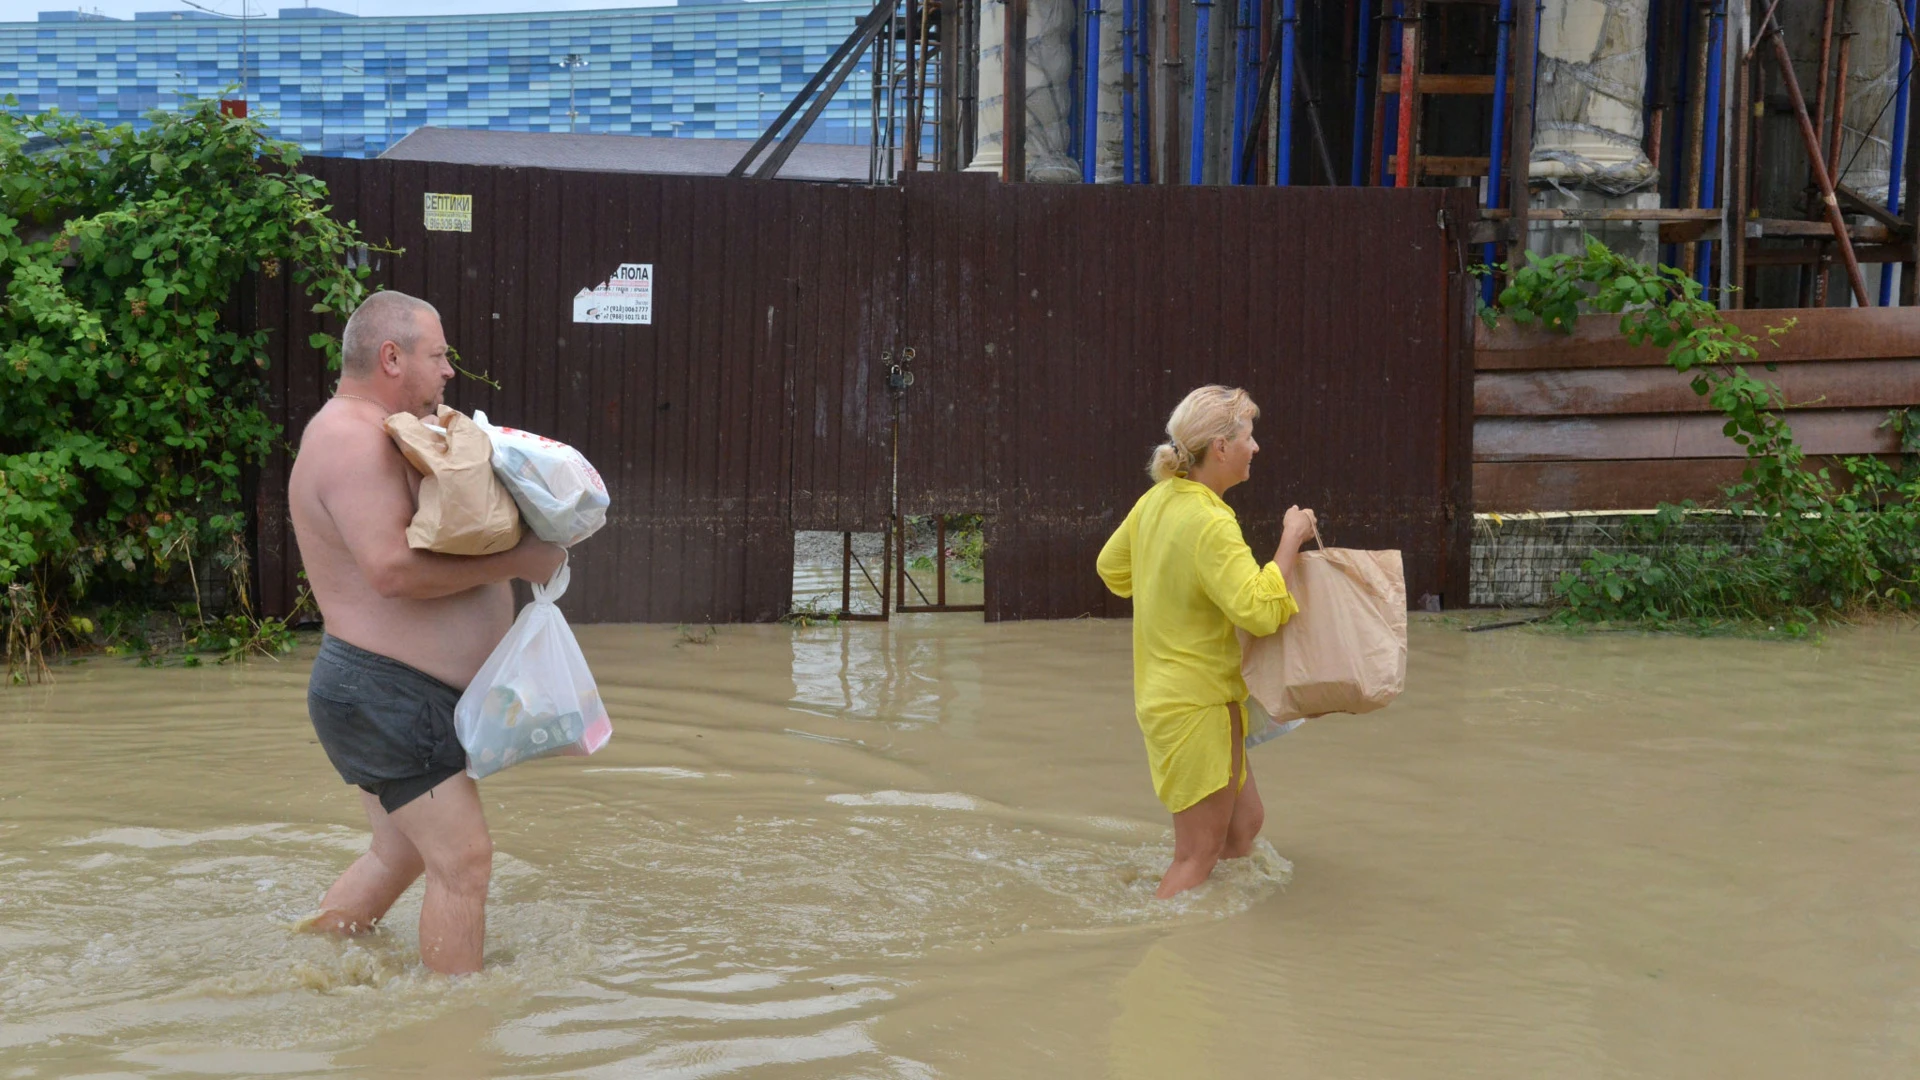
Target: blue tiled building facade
point(349, 86)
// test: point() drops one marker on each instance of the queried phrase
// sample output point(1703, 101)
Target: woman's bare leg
point(1202, 832)
point(1199, 834)
point(1249, 814)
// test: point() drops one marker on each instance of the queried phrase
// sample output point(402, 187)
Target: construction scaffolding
point(1760, 146)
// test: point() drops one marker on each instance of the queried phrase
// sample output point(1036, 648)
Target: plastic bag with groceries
point(559, 493)
point(534, 696)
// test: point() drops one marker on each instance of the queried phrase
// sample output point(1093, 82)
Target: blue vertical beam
point(1090, 106)
point(1202, 45)
point(1235, 173)
point(1682, 109)
point(1710, 130)
point(1503, 43)
point(1143, 98)
point(1899, 156)
point(1127, 9)
point(1289, 24)
point(1362, 71)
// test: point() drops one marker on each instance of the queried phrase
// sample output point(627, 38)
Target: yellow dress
point(1181, 557)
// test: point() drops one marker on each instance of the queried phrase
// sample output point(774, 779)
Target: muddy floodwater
point(928, 849)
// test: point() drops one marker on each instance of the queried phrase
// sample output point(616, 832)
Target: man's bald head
point(385, 316)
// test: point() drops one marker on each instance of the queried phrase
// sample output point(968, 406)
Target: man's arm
point(367, 495)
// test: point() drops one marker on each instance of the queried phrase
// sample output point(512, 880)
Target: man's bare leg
point(448, 829)
point(361, 896)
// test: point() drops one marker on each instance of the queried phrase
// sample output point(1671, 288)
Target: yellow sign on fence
point(449, 213)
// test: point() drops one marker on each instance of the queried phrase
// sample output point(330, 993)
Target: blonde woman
point(1181, 557)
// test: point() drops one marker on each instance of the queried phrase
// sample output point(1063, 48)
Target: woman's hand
point(1298, 523)
point(1294, 530)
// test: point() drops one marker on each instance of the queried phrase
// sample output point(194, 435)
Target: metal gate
point(1050, 329)
point(1041, 334)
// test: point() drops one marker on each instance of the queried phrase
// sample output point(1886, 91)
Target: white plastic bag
point(560, 495)
point(534, 696)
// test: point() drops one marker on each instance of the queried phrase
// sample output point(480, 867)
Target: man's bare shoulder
point(336, 437)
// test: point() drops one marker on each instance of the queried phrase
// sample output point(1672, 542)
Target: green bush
point(130, 393)
point(1826, 547)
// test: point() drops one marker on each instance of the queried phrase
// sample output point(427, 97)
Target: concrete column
point(1050, 28)
point(988, 131)
point(1051, 25)
point(1588, 125)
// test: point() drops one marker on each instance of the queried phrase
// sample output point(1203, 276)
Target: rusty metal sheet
point(1817, 334)
point(1589, 422)
point(1522, 486)
point(1611, 438)
point(1608, 391)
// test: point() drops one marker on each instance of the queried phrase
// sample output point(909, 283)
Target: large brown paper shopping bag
point(1345, 651)
point(464, 509)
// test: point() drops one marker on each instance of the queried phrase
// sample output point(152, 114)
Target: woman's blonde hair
point(1209, 413)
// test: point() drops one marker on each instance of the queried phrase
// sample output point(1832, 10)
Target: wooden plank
point(1819, 431)
point(1859, 203)
point(1872, 234)
point(1525, 42)
point(1618, 391)
point(1686, 232)
point(1520, 487)
point(1617, 213)
point(1804, 255)
point(1444, 84)
point(1447, 166)
point(1818, 334)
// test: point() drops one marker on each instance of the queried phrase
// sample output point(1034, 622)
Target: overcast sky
point(28, 10)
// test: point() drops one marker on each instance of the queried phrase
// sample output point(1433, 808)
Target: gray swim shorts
point(385, 726)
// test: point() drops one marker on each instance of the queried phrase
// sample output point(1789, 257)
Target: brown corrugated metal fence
point(1054, 327)
point(1048, 329)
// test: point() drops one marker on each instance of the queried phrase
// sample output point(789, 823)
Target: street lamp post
point(572, 62)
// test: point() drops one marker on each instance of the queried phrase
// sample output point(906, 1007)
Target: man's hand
point(535, 560)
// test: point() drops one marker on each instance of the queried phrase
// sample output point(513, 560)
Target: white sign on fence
point(626, 297)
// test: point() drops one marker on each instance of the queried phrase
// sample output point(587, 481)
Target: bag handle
point(556, 586)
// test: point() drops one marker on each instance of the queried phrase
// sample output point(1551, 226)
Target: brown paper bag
point(1345, 651)
point(464, 509)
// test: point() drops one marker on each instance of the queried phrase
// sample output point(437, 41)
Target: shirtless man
point(406, 630)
